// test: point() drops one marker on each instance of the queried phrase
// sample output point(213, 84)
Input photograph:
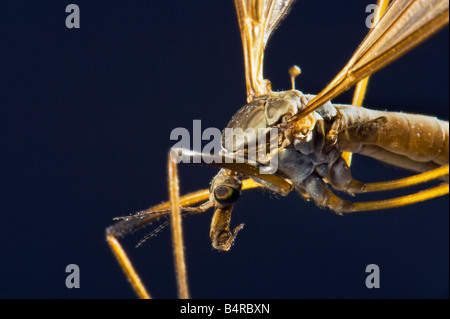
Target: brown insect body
point(310, 150)
point(412, 141)
point(312, 133)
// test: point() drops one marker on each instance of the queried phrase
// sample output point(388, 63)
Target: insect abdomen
point(416, 142)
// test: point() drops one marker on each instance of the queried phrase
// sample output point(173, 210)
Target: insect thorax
point(302, 148)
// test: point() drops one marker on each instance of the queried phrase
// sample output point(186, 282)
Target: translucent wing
point(405, 24)
point(257, 21)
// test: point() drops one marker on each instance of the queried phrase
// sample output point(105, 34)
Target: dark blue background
point(85, 118)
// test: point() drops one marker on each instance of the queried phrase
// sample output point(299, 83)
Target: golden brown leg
point(408, 181)
point(337, 204)
point(340, 179)
point(400, 201)
point(328, 199)
point(177, 231)
point(127, 267)
point(121, 229)
point(324, 197)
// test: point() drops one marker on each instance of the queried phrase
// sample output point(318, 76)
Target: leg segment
point(177, 230)
point(418, 197)
point(127, 267)
point(340, 177)
point(316, 188)
point(324, 197)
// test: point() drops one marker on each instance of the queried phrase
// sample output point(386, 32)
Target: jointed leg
point(418, 197)
point(324, 197)
point(408, 181)
point(127, 267)
point(177, 231)
point(341, 179)
point(129, 224)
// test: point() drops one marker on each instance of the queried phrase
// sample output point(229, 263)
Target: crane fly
point(315, 137)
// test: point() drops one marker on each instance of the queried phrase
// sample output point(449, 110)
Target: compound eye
point(226, 195)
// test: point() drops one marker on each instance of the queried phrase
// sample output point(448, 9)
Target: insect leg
point(177, 230)
point(318, 191)
point(324, 197)
point(127, 267)
point(408, 181)
point(341, 179)
point(316, 188)
point(400, 201)
point(127, 225)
